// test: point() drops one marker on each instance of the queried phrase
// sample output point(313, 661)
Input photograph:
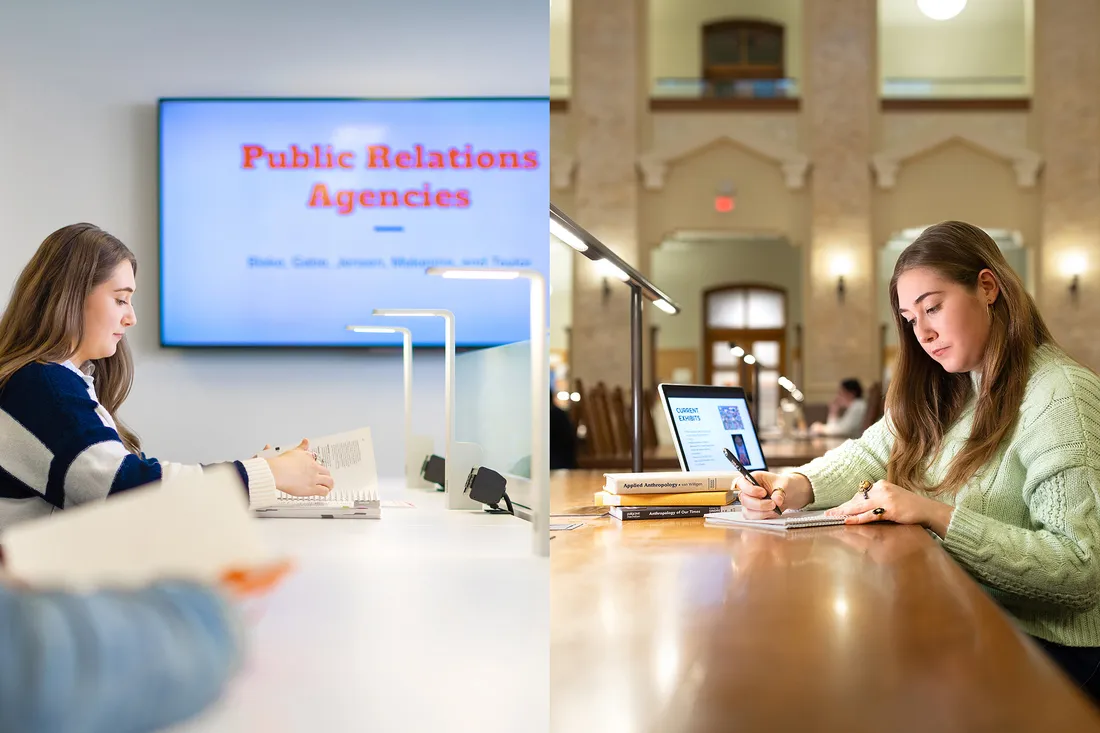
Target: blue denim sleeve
point(112, 661)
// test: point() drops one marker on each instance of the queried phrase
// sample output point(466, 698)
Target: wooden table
point(663, 458)
point(668, 626)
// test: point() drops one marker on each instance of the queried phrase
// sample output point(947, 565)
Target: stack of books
point(669, 495)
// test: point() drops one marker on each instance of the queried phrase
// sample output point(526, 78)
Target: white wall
point(78, 89)
point(989, 38)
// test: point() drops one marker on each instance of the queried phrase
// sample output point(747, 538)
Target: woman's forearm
point(134, 661)
point(939, 517)
point(799, 492)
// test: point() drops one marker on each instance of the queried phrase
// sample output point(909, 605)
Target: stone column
point(609, 98)
point(840, 108)
point(1066, 113)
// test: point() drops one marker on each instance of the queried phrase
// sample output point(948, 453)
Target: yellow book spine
point(695, 498)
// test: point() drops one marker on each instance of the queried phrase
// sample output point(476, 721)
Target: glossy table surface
point(670, 625)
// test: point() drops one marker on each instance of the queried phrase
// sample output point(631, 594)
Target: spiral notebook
point(788, 520)
point(350, 458)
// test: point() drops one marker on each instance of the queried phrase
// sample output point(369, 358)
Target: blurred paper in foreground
point(193, 528)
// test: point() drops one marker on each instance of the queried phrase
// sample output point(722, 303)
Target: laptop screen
point(704, 420)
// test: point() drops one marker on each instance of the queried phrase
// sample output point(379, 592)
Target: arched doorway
point(751, 316)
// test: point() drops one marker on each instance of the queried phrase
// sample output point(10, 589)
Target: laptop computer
point(705, 419)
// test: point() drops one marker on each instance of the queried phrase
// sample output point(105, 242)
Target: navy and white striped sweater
point(59, 447)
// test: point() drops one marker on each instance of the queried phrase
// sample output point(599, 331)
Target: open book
point(194, 527)
point(350, 458)
point(792, 519)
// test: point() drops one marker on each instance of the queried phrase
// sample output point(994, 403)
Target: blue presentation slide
point(706, 425)
point(283, 221)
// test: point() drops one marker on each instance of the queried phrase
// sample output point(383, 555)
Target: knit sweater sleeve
point(836, 475)
point(1054, 561)
point(113, 660)
point(84, 459)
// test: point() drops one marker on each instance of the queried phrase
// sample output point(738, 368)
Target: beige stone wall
point(988, 39)
point(972, 174)
point(1067, 116)
point(672, 130)
point(1010, 127)
point(957, 181)
point(764, 204)
point(607, 108)
point(561, 134)
point(840, 94)
point(561, 294)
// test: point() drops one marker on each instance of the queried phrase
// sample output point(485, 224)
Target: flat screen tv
point(284, 220)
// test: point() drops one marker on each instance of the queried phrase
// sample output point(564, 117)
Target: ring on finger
point(878, 512)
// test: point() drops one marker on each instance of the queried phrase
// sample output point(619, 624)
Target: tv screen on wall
point(284, 220)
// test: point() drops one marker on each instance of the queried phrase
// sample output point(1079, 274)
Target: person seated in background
point(563, 438)
point(65, 370)
point(846, 412)
point(118, 660)
point(991, 440)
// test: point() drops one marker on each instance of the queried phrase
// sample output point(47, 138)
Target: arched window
point(740, 50)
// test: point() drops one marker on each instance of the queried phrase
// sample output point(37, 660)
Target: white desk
point(427, 620)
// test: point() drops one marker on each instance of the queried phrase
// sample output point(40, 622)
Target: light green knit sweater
point(1027, 525)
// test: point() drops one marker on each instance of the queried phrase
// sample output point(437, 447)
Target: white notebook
point(350, 458)
point(793, 519)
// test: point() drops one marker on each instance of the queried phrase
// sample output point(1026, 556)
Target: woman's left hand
point(899, 505)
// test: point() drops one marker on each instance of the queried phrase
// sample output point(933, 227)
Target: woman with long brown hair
point(991, 439)
point(65, 369)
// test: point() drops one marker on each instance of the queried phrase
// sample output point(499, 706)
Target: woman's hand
point(242, 583)
point(786, 491)
point(898, 505)
point(297, 472)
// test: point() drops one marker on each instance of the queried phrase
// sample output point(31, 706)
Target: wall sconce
point(1074, 265)
point(610, 269)
point(841, 267)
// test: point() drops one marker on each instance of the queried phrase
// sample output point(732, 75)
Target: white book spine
point(667, 483)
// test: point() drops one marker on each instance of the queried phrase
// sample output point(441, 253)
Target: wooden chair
point(649, 429)
point(621, 422)
point(875, 406)
point(604, 443)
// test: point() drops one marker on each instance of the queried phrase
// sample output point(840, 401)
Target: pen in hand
point(744, 472)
